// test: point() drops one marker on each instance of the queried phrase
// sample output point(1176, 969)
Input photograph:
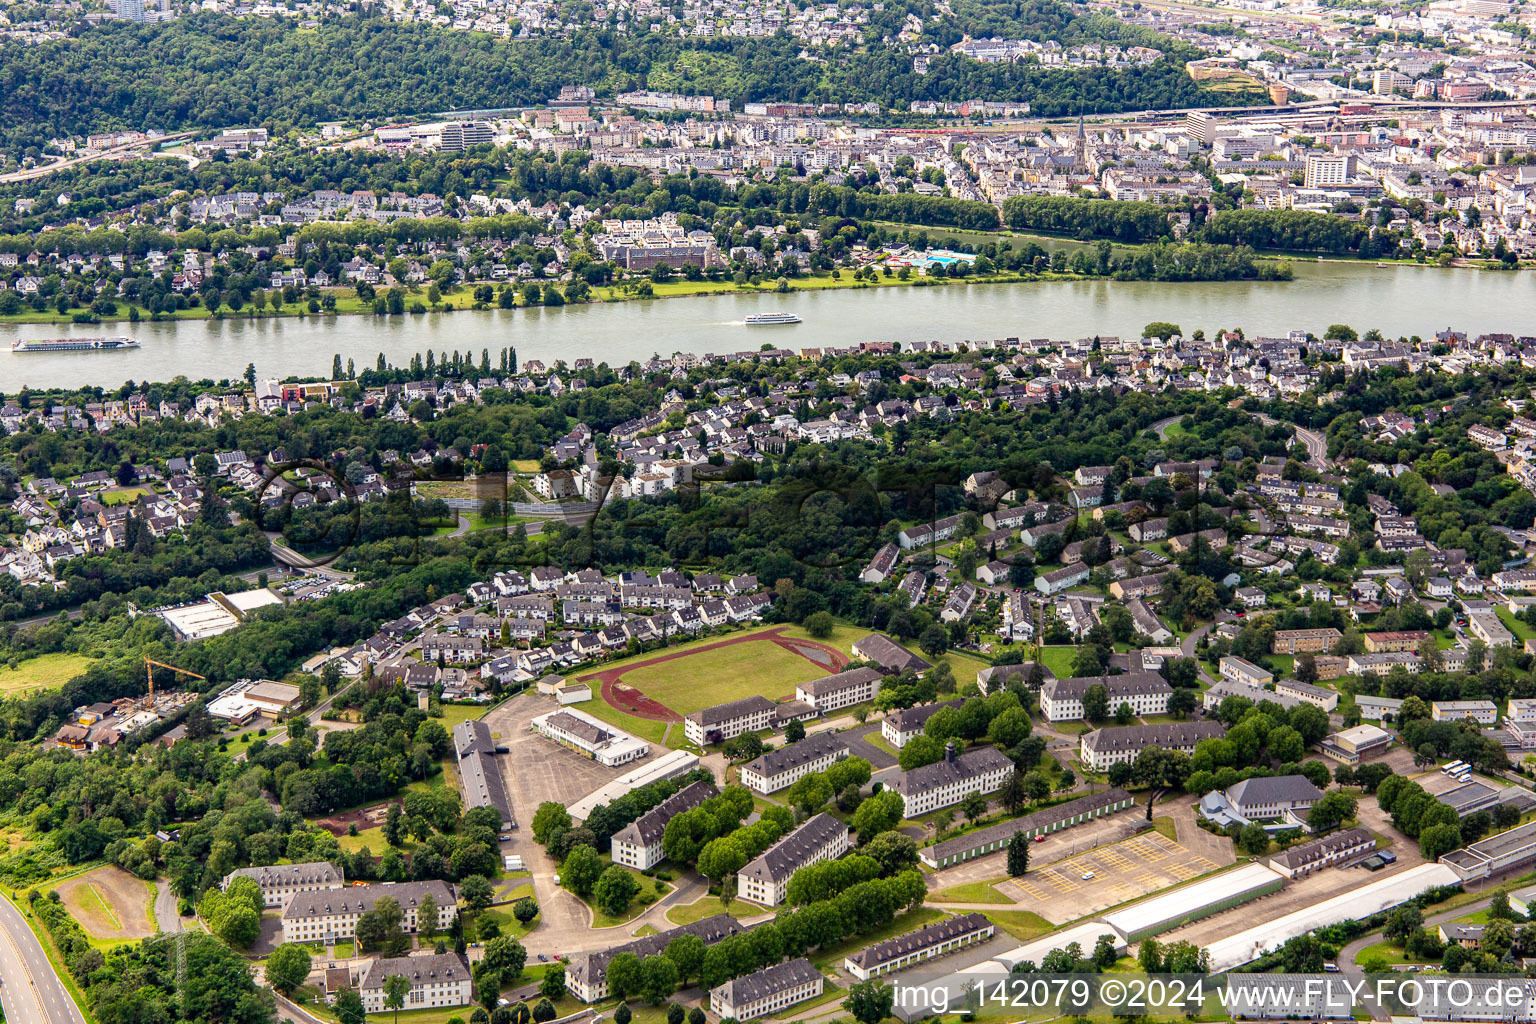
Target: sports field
point(724, 674)
point(669, 684)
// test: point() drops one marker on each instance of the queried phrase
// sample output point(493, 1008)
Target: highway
point(29, 988)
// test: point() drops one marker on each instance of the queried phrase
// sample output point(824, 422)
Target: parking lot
point(1124, 871)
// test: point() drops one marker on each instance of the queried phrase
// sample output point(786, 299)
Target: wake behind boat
point(74, 344)
point(765, 319)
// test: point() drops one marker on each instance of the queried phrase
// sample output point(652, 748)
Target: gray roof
point(361, 899)
point(593, 967)
point(795, 850)
point(479, 775)
point(734, 709)
point(1317, 849)
point(769, 981)
point(795, 754)
point(929, 935)
point(889, 653)
point(1043, 818)
point(1275, 789)
point(1164, 734)
point(1126, 685)
point(419, 970)
point(647, 828)
point(913, 719)
point(273, 875)
point(840, 681)
point(970, 765)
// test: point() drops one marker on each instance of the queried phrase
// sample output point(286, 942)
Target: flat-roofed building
point(319, 916)
point(1483, 712)
point(437, 979)
point(1241, 670)
point(280, 882)
point(638, 844)
point(841, 690)
point(818, 838)
point(1320, 696)
point(768, 991)
point(1304, 641)
point(587, 735)
point(780, 768)
point(1061, 700)
point(1122, 743)
point(1350, 746)
point(1395, 640)
point(1337, 848)
point(947, 782)
point(927, 943)
point(1494, 855)
point(727, 721)
point(1041, 822)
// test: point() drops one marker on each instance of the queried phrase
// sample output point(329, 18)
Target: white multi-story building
point(438, 979)
point(599, 741)
point(280, 882)
point(842, 690)
point(1061, 700)
point(318, 916)
point(767, 991)
point(947, 782)
point(765, 879)
point(1112, 745)
point(901, 726)
point(638, 844)
point(726, 721)
point(780, 768)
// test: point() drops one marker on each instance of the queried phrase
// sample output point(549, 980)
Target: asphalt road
point(29, 987)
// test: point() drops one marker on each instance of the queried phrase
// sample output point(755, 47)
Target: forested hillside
point(207, 70)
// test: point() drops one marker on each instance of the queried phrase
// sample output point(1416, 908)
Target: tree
point(934, 640)
point(547, 818)
point(553, 985)
point(614, 890)
point(543, 1011)
point(1018, 855)
point(525, 910)
point(1096, 703)
point(581, 871)
point(622, 1013)
point(820, 624)
point(476, 892)
point(396, 988)
point(880, 813)
point(504, 961)
point(920, 750)
point(658, 979)
point(870, 1001)
point(287, 967)
point(794, 732)
point(1439, 839)
point(624, 977)
point(349, 1007)
point(1331, 811)
point(427, 916)
point(687, 952)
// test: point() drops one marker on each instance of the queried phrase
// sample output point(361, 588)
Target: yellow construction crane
point(149, 670)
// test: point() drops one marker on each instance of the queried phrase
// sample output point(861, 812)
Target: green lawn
point(725, 674)
point(709, 906)
point(373, 838)
point(1521, 629)
point(41, 671)
point(1059, 660)
point(971, 892)
point(1021, 924)
point(651, 732)
point(123, 496)
point(453, 714)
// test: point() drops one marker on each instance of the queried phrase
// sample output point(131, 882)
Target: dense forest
point(206, 70)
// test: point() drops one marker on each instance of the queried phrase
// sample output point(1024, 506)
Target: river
point(1403, 300)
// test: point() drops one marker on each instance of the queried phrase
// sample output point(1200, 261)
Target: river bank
point(347, 302)
point(1395, 300)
